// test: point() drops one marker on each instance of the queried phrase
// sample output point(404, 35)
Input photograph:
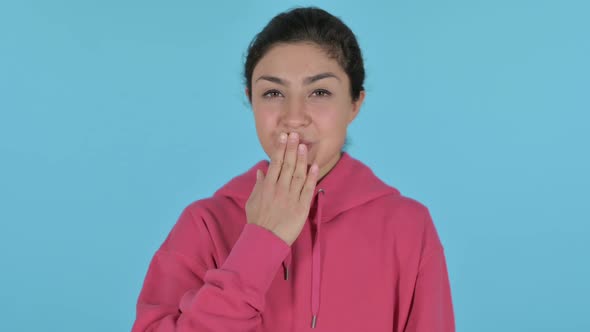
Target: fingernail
point(294, 137)
point(314, 168)
point(283, 137)
point(301, 148)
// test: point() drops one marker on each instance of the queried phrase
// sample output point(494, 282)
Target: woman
point(311, 239)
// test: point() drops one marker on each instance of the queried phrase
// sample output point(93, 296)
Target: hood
point(348, 185)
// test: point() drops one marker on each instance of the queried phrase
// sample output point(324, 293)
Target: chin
point(312, 157)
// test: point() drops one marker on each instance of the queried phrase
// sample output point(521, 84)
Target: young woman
point(311, 238)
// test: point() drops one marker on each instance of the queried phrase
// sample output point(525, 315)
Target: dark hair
point(315, 25)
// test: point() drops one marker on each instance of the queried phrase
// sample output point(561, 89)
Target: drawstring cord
point(316, 263)
point(316, 256)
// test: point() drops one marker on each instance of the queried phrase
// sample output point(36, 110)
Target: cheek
point(264, 116)
point(331, 122)
point(265, 121)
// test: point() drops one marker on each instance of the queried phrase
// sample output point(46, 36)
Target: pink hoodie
point(367, 259)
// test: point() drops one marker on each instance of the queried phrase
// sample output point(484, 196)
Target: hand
point(281, 199)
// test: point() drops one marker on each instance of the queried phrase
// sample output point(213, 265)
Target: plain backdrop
point(115, 115)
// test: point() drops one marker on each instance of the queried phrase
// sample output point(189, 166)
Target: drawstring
point(315, 264)
point(316, 255)
point(286, 264)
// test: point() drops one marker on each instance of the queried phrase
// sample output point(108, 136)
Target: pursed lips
point(307, 143)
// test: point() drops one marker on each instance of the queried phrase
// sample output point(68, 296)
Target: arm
point(180, 292)
point(432, 307)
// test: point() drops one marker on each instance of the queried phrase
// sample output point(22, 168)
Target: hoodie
point(367, 259)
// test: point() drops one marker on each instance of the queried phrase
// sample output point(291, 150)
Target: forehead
point(295, 60)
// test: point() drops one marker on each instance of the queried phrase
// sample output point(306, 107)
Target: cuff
point(256, 256)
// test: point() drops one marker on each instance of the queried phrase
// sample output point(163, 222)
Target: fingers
point(289, 162)
point(258, 184)
point(259, 180)
point(288, 169)
point(310, 183)
point(276, 160)
point(300, 171)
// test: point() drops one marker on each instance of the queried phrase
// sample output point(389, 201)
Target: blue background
point(115, 115)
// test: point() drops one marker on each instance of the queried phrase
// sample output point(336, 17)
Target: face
point(299, 88)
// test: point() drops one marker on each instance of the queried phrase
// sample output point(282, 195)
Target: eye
point(271, 94)
point(321, 93)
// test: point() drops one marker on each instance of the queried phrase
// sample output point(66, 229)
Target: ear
point(356, 106)
point(247, 92)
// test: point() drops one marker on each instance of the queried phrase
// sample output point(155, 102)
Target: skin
point(281, 199)
point(285, 100)
point(302, 108)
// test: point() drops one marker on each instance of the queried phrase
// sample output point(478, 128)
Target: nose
point(295, 114)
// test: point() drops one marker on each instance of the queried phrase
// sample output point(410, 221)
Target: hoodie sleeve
point(432, 307)
point(183, 291)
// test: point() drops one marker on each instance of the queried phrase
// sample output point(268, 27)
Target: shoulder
point(199, 225)
point(403, 207)
point(410, 218)
point(195, 216)
point(218, 216)
point(205, 208)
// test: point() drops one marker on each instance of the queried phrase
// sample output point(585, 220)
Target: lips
point(307, 144)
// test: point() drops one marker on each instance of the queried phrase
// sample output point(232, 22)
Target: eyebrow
point(306, 81)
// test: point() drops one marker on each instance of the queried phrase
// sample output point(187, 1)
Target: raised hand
point(281, 199)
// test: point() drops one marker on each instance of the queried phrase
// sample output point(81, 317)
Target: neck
point(329, 166)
